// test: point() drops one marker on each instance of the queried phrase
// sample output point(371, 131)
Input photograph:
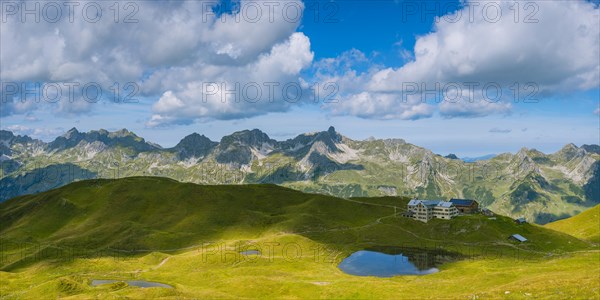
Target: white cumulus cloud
point(168, 51)
point(559, 52)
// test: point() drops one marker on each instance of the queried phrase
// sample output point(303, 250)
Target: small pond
point(138, 283)
point(393, 261)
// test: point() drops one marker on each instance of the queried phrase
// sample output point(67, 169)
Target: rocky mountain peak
point(331, 130)
point(451, 156)
point(253, 137)
point(523, 164)
point(330, 138)
point(6, 135)
point(569, 152)
point(238, 147)
point(71, 133)
point(194, 145)
point(591, 148)
point(522, 153)
point(8, 139)
point(123, 138)
point(195, 140)
point(121, 133)
point(192, 137)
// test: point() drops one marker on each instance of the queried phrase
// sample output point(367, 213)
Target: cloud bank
point(193, 63)
point(170, 52)
point(485, 61)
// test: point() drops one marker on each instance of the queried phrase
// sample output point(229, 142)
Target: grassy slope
point(157, 214)
point(161, 213)
point(585, 226)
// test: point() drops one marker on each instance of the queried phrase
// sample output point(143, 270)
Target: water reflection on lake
point(392, 261)
point(138, 283)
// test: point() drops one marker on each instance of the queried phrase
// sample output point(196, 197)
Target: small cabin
point(465, 206)
point(487, 212)
point(518, 238)
point(520, 220)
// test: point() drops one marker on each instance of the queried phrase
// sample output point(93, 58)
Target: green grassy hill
point(54, 243)
point(152, 212)
point(585, 225)
point(158, 213)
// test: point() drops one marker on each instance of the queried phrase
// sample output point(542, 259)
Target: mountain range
point(541, 187)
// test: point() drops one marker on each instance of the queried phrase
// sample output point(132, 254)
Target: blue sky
point(373, 27)
point(368, 49)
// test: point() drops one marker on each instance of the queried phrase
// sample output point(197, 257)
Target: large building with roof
point(465, 206)
point(425, 210)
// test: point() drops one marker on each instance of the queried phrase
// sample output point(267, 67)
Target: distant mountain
point(8, 141)
point(542, 187)
point(478, 158)
point(194, 146)
point(122, 138)
point(591, 148)
point(243, 146)
point(451, 156)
